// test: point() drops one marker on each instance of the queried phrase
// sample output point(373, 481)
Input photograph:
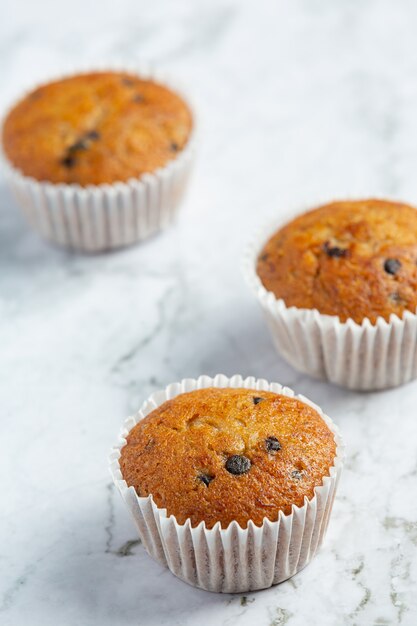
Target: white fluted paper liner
point(362, 356)
point(97, 218)
point(234, 559)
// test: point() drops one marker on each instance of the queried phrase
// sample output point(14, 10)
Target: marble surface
point(297, 100)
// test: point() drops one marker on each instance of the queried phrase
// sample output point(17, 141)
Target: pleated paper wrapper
point(234, 559)
point(362, 356)
point(98, 218)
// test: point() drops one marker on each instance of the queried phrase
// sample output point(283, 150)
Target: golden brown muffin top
point(220, 455)
point(355, 259)
point(95, 128)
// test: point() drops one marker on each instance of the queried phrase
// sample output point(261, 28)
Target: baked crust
point(184, 454)
point(101, 127)
point(354, 259)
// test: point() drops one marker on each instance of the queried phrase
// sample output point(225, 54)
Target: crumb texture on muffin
point(96, 128)
point(355, 259)
point(228, 454)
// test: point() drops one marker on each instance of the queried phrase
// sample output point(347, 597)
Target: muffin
point(96, 128)
point(223, 455)
point(108, 147)
point(353, 259)
point(338, 285)
point(236, 474)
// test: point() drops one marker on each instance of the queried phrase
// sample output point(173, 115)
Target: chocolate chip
point(174, 146)
point(68, 161)
point(205, 478)
point(391, 266)
point(263, 257)
point(138, 98)
point(272, 444)
point(81, 144)
point(128, 82)
point(257, 399)
point(93, 135)
point(297, 474)
point(238, 464)
point(334, 251)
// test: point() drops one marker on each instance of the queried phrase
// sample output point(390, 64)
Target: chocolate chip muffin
point(223, 454)
point(101, 127)
point(352, 259)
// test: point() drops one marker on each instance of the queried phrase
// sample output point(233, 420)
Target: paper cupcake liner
point(234, 559)
point(97, 218)
point(362, 356)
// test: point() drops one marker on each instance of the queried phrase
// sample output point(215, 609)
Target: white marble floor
point(298, 100)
